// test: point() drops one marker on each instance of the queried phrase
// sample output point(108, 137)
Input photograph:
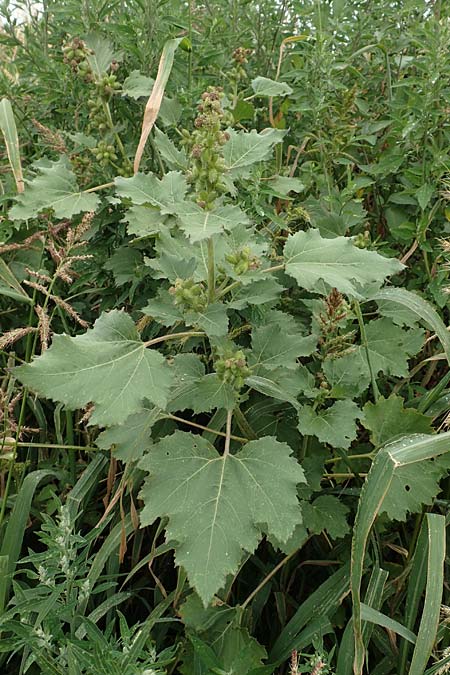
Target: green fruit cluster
point(231, 367)
point(75, 54)
point(242, 260)
point(104, 153)
point(189, 295)
point(107, 85)
point(206, 142)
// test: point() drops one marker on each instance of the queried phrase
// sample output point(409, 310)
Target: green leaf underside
point(335, 425)
point(199, 224)
point(310, 259)
point(108, 366)
point(213, 320)
point(219, 506)
point(55, 188)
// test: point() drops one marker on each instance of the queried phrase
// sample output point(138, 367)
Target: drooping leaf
point(109, 366)
point(201, 224)
point(133, 438)
point(272, 347)
point(283, 185)
point(335, 425)
point(263, 86)
point(245, 148)
point(171, 267)
point(126, 265)
point(311, 259)
point(387, 419)
point(219, 505)
point(136, 85)
point(55, 188)
point(148, 189)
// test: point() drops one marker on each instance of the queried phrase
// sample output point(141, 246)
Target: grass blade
point(17, 523)
point(9, 130)
point(416, 583)
point(320, 603)
point(374, 616)
point(372, 495)
point(433, 594)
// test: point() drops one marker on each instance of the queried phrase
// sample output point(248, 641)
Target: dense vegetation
point(224, 309)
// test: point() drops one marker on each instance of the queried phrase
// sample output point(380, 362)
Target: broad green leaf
point(126, 265)
point(421, 309)
point(389, 348)
point(55, 188)
point(272, 347)
point(263, 86)
point(347, 375)
point(335, 425)
point(282, 185)
point(219, 627)
point(108, 366)
point(199, 224)
point(171, 267)
point(131, 440)
point(387, 419)
point(163, 309)
point(144, 220)
point(213, 320)
point(284, 384)
point(311, 259)
point(258, 292)
point(209, 393)
point(245, 148)
point(103, 54)
point(424, 194)
point(219, 505)
point(136, 85)
point(326, 513)
point(187, 370)
point(173, 157)
point(410, 488)
point(146, 188)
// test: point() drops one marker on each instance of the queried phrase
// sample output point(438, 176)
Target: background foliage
point(322, 172)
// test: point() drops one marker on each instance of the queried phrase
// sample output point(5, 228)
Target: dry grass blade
point(8, 127)
point(155, 100)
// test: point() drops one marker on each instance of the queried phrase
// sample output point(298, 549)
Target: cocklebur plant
point(216, 342)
